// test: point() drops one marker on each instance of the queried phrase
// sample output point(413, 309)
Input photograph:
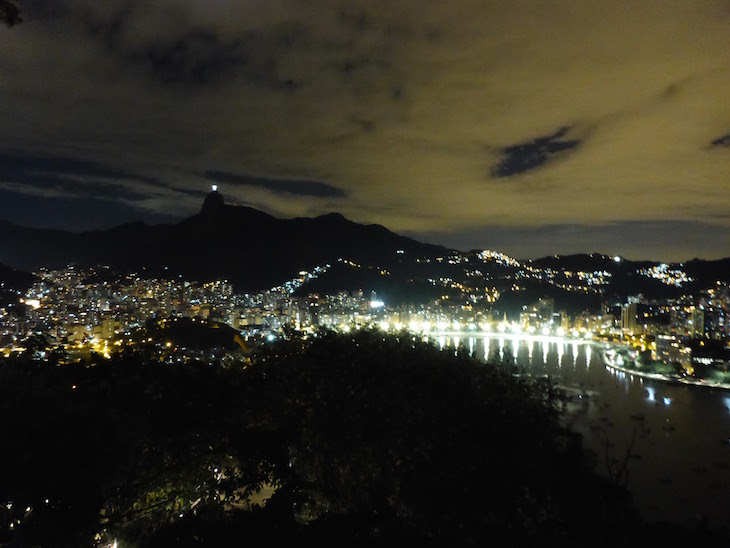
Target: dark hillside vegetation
point(364, 439)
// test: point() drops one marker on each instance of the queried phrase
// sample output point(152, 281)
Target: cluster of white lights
point(666, 275)
point(499, 258)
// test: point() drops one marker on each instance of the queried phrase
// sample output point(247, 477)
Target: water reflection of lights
point(543, 338)
point(667, 401)
point(495, 346)
point(726, 401)
point(650, 390)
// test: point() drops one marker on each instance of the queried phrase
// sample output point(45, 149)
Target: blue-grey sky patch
point(72, 213)
point(529, 155)
point(723, 141)
point(20, 163)
point(58, 175)
point(315, 189)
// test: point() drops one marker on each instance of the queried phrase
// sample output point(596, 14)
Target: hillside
point(248, 247)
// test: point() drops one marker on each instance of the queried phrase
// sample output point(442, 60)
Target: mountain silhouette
point(248, 247)
point(254, 250)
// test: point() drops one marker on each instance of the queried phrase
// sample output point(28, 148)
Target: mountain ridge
point(255, 250)
point(249, 247)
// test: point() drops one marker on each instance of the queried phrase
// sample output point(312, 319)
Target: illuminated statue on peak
point(214, 202)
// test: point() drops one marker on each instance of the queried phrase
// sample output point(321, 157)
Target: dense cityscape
point(78, 311)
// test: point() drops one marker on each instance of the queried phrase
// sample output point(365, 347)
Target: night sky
point(527, 127)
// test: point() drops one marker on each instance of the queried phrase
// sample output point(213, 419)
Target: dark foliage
point(573, 302)
point(9, 13)
point(400, 285)
point(365, 439)
point(188, 332)
point(12, 284)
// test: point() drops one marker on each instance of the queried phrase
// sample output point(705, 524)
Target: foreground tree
point(9, 13)
point(398, 438)
point(368, 439)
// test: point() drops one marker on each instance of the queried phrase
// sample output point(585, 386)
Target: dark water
point(680, 464)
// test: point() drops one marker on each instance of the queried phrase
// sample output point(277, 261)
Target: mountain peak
point(213, 203)
point(338, 217)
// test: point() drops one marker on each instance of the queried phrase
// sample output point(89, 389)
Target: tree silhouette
point(366, 438)
point(9, 13)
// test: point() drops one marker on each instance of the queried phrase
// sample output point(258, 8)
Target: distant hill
point(248, 247)
point(13, 283)
point(11, 278)
point(255, 251)
point(626, 278)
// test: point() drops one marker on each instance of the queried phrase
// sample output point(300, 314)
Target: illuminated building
point(670, 349)
point(628, 318)
point(697, 322)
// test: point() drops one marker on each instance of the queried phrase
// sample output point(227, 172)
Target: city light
point(90, 316)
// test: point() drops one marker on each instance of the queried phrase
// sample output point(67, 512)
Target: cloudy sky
point(530, 127)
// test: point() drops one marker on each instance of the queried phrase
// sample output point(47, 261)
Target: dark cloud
point(18, 162)
point(9, 13)
point(526, 156)
point(198, 57)
point(723, 141)
point(184, 49)
point(188, 52)
point(110, 31)
point(69, 176)
point(39, 10)
point(75, 213)
point(316, 189)
point(198, 53)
